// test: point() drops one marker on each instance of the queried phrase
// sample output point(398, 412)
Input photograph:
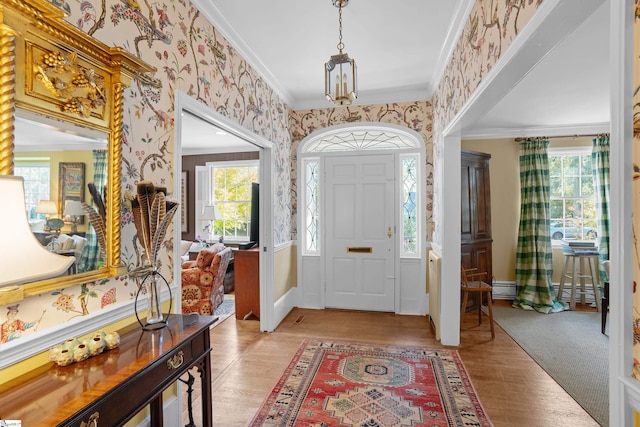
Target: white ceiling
point(400, 48)
point(37, 133)
point(567, 93)
point(401, 51)
point(199, 136)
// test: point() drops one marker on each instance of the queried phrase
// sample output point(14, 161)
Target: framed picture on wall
point(71, 186)
point(183, 203)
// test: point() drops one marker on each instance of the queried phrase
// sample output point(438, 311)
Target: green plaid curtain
point(91, 253)
point(600, 165)
point(534, 265)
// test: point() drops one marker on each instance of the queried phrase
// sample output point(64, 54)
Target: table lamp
point(47, 207)
point(73, 208)
point(211, 213)
point(24, 258)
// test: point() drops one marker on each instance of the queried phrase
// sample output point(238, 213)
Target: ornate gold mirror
point(52, 73)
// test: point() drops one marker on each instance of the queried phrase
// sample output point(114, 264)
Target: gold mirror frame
point(69, 76)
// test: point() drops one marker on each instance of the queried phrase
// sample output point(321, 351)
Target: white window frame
point(229, 164)
point(418, 203)
point(35, 162)
point(580, 150)
point(305, 213)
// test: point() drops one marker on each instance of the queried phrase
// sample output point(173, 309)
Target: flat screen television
point(254, 231)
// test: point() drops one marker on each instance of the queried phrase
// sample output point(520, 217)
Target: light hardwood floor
point(513, 389)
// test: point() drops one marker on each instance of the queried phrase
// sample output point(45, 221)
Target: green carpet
point(570, 348)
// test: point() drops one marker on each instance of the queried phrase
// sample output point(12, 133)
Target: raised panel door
point(360, 245)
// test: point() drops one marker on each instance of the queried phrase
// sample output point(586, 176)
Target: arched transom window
point(349, 140)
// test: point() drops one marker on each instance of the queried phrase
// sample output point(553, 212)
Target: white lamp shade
point(48, 207)
point(23, 259)
point(73, 208)
point(211, 213)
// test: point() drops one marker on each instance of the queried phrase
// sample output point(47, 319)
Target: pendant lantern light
point(340, 85)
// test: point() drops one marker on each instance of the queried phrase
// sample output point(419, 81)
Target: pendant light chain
point(340, 45)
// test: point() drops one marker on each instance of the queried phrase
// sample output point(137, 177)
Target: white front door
point(360, 248)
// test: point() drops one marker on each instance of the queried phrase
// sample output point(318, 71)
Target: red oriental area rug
point(339, 383)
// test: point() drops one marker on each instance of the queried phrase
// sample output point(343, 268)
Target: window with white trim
point(231, 193)
point(572, 203)
point(36, 172)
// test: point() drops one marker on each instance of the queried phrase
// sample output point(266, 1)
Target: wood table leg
point(205, 384)
point(156, 414)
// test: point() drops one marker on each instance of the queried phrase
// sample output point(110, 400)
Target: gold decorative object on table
point(152, 214)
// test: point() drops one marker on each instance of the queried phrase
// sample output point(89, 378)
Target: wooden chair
point(471, 280)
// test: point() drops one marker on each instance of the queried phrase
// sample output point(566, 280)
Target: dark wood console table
point(109, 389)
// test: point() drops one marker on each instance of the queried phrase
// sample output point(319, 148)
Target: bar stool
point(578, 272)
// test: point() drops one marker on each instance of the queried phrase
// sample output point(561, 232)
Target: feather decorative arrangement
point(152, 214)
point(161, 231)
point(99, 225)
point(97, 218)
point(97, 200)
point(158, 211)
point(146, 194)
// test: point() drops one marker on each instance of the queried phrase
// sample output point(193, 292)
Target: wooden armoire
point(476, 237)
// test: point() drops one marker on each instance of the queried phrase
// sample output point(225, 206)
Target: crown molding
point(371, 97)
point(221, 24)
point(534, 131)
point(458, 22)
point(382, 96)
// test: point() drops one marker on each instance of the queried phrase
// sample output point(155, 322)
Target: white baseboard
point(285, 304)
point(507, 290)
point(15, 351)
point(504, 290)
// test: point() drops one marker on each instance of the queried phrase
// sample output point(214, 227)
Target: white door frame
point(316, 274)
point(186, 103)
point(624, 391)
point(553, 21)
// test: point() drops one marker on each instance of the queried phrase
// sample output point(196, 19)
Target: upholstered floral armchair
point(203, 280)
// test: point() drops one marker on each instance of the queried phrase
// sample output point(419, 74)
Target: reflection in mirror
point(55, 70)
point(16, 267)
point(58, 161)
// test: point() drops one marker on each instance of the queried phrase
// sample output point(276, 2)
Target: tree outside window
point(232, 195)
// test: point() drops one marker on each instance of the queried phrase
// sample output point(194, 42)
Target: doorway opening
point(237, 140)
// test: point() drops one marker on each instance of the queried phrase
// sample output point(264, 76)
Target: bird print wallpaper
point(191, 56)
